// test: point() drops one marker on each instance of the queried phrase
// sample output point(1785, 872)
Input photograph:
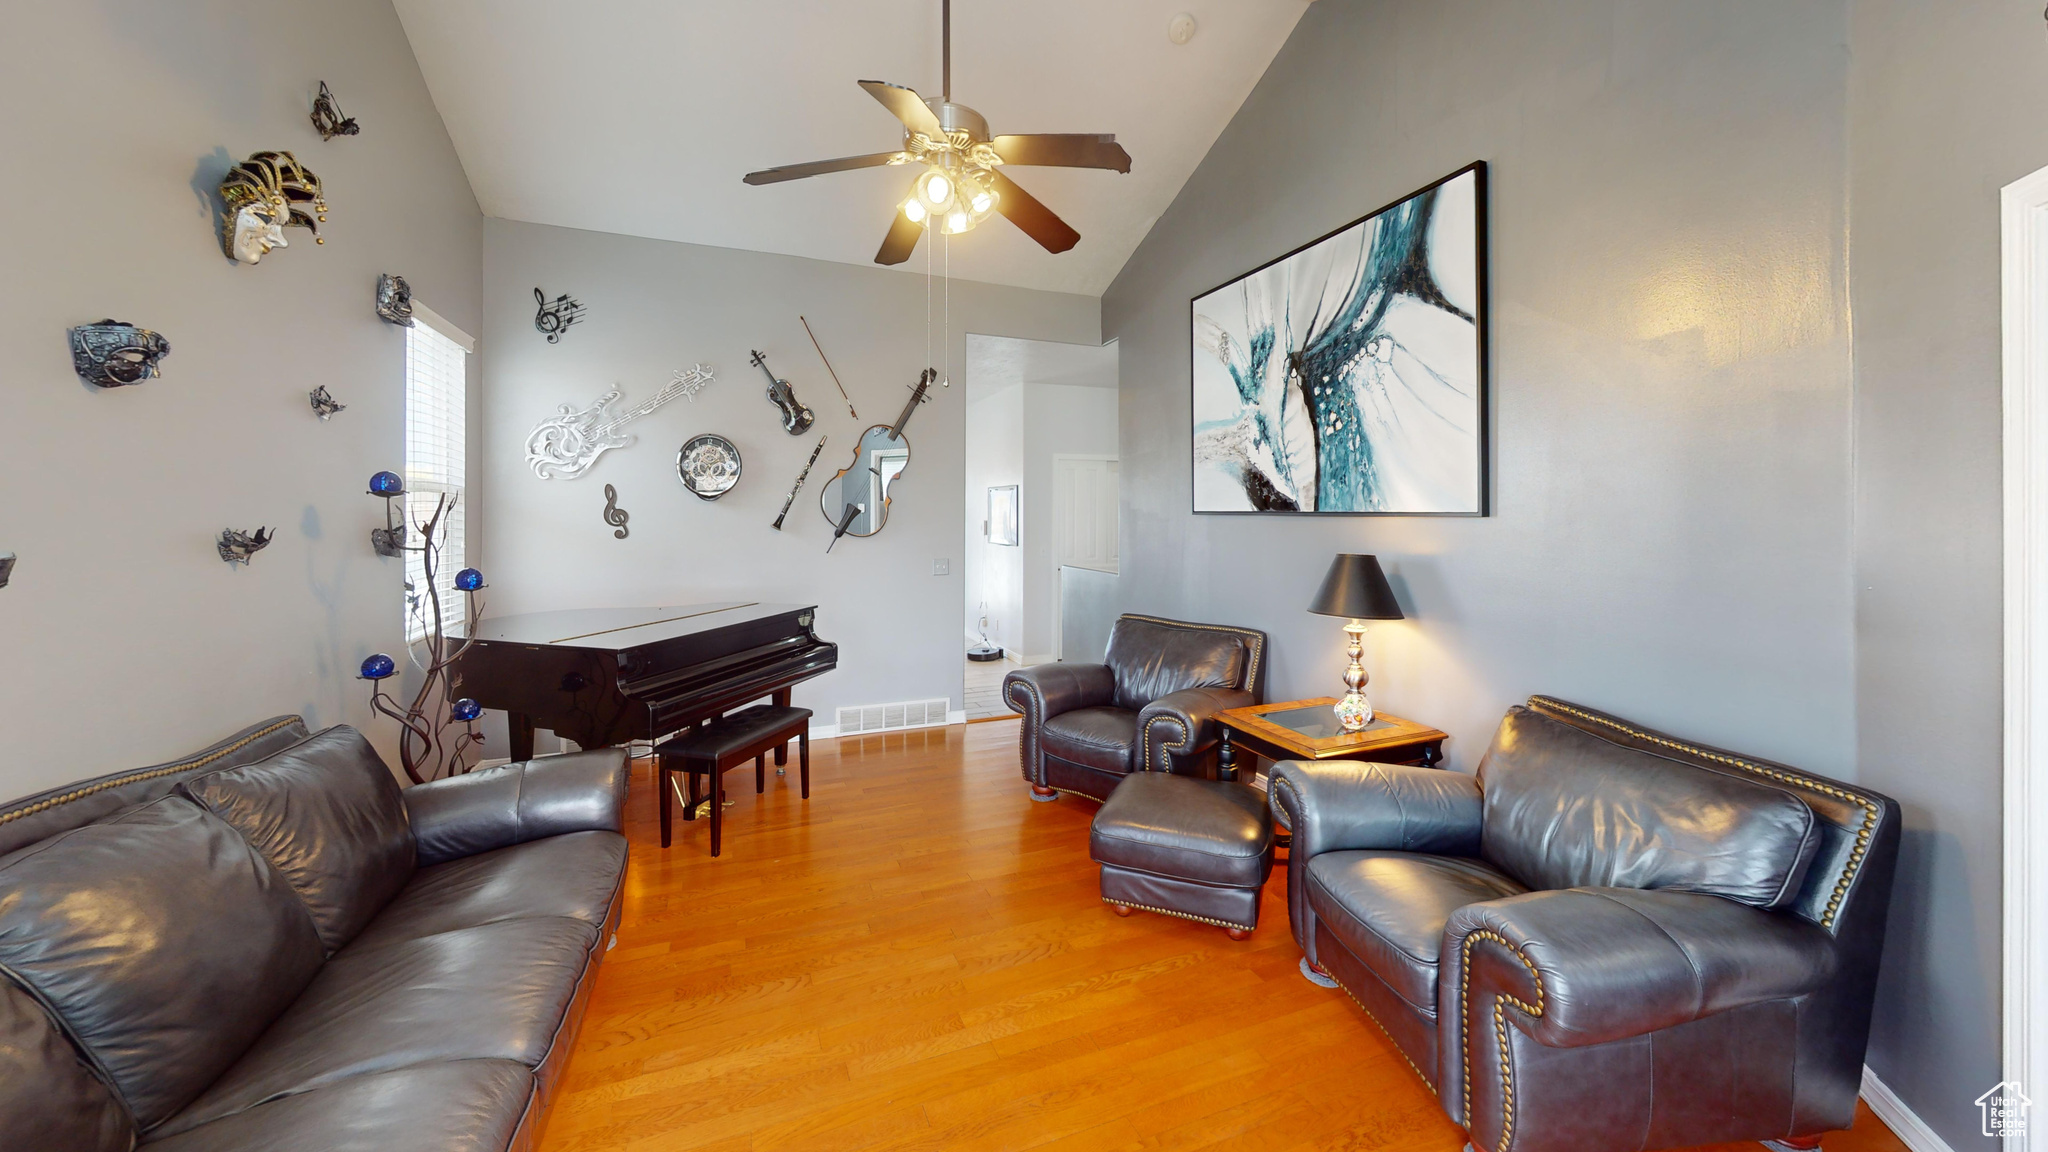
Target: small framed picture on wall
point(1002, 515)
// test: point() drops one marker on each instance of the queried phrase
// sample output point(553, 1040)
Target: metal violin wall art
point(324, 404)
point(568, 443)
point(856, 501)
point(263, 195)
point(237, 546)
point(613, 514)
point(708, 465)
point(796, 419)
point(394, 300)
point(799, 485)
point(114, 353)
point(555, 316)
point(327, 117)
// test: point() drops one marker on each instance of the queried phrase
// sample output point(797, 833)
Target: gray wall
point(126, 639)
point(1944, 111)
point(1670, 364)
point(655, 306)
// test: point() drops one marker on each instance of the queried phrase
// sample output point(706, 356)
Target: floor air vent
point(889, 717)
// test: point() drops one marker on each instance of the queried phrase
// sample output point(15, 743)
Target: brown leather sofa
point(1609, 939)
point(269, 945)
point(1151, 703)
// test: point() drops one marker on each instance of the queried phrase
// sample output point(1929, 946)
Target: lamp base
point(1354, 712)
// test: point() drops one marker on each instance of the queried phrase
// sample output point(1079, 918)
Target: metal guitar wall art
point(569, 443)
point(796, 419)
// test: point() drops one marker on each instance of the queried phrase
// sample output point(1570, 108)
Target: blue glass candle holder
point(387, 484)
point(465, 710)
point(469, 580)
point(378, 667)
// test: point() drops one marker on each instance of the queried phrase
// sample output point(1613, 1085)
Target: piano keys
point(603, 676)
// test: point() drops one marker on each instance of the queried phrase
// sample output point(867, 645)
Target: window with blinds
point(436, 389)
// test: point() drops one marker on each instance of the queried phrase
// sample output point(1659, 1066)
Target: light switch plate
point(942, 567)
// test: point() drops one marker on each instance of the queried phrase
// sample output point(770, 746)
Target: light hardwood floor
point(917, 958)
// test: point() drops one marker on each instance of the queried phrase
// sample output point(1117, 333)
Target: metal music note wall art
point(568, 443)
point(555, 316)
point(613, 514)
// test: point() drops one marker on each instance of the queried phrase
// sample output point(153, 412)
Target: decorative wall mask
point(264, 194)
point(327, 117)
point(569, 443)
point(796, 419)
point(324, 404)
point(394, 300)
point(555, 316)
point(613, 514)
point(709, 466)
point(6, 567)
point(113, 353)
point(237, 546)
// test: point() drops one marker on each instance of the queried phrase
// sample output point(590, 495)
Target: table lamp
point(1357, 590)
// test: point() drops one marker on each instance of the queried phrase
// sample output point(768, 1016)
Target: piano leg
point(781, 750)
point(519, 727)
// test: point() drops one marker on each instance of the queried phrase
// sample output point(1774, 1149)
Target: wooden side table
point(1308, 730)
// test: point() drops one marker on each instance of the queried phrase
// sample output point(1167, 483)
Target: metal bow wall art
point(114, 353)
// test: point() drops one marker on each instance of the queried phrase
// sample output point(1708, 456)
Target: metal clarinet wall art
point(237, 546)
point(796, 419)
point(799, 485)
point(324, 405)
point(555, 316)
point(327, 117)
point(113, 353)
point(6, 567)
point(394, 300)
point(709, 466)
point(571, 441)
point(613, 514)
point(829, 368)
point(263, 195)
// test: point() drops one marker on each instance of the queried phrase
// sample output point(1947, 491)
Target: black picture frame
point(1481, 322)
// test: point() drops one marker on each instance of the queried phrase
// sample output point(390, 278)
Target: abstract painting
point(1349, 375)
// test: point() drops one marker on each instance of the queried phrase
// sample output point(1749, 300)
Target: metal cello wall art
point(796, 419)
point(856, 501)
point(613, 514)
point(555, 316)
point(799, 485)
point(568, 443)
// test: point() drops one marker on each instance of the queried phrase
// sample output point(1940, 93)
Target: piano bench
point(709, 750)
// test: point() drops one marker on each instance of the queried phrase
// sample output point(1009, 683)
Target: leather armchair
point(1151, 704)
point(1609, 939)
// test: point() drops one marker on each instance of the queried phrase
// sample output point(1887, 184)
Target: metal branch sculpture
point(429, 746)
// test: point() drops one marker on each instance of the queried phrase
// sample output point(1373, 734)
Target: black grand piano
point(602, 676)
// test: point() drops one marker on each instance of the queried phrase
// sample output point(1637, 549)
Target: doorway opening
point(1040, 554)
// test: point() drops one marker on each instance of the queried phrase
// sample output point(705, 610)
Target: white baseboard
point(1899, 1118)
point(831, 731)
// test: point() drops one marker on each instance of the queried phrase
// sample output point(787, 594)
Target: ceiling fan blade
point(907, 106)
point(1063, 150)
point(901, 240)
point(819, 167)
point(1037, 221)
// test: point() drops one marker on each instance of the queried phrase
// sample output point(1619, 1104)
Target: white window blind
point(436, 389)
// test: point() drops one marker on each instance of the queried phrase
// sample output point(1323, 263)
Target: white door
point(1084, 491)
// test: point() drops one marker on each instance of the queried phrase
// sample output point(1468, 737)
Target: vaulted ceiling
point(640, 117)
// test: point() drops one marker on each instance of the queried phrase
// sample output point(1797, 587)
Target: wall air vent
point(892, 717)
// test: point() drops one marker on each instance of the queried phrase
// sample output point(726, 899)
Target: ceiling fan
point(962, 182)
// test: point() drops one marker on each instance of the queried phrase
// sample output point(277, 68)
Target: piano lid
point(617, 629)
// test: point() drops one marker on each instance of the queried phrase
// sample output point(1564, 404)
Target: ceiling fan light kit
point(960, 182)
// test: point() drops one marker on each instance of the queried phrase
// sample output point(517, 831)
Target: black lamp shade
point(1356, 589)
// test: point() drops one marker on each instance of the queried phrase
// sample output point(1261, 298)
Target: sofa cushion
point(328, 814)
point(1150, 658)
point(1207, 831)
point(1389, 909)
point(494, 992)
point(454, 1106)
point(163, 941)
point(1105, 739)
point(1567, 809)
point(49, 1098)
point(575, 875)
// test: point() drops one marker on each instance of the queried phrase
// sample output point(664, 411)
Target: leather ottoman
point(1182, 846)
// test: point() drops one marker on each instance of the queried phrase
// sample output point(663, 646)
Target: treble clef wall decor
point(613, 514)
point(571, 441)
point(555, 316)
point(796, 419)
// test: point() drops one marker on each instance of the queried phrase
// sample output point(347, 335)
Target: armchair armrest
point(1337, 805)
point(513, 803)
point(1045, 691)
point(1584, 966)
point(1183, 723)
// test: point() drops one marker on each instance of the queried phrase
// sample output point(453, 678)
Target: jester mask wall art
point(1350, 374)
